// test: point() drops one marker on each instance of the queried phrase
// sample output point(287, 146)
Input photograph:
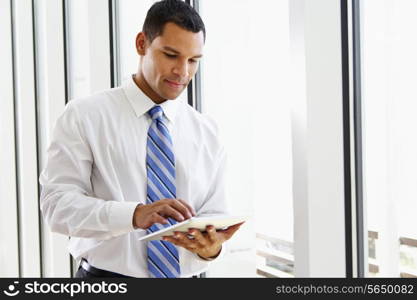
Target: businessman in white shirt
point(100, 183)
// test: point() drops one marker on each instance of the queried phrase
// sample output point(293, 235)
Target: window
point(245, 89)
point(131, 15)
point(88, 47)
point(389, 121)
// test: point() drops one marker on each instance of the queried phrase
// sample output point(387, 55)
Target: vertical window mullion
point(25, 114)
point(194, 88)
point(114, 43)
point(198, 75)
point(361, 230)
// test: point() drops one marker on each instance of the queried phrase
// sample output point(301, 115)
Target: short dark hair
point(175, 11)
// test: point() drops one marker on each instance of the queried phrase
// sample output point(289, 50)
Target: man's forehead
point(179, 40)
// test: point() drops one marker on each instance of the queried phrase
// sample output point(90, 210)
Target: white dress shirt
point(95, 176)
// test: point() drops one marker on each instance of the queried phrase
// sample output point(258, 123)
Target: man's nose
point(181, 69)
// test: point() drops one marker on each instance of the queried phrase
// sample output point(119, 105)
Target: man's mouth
point(174, 84)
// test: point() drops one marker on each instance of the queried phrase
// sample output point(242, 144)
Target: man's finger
point(198, 236)
point(179, 206)
point(156, 218)
point(188, 206)
point(212, 233)
point(180, 240)
point(167, 210)
point(184, 240)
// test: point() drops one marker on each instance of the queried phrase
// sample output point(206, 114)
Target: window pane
point(131, 15)
point(79, 79)
point(245, 89)
point(389, 45)
point(88, 46)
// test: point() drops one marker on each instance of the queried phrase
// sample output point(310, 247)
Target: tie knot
point(155, 112)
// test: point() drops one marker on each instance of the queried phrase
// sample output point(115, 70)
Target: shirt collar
point(141, 103)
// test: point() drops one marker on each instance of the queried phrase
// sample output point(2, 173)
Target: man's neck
point(146, 89)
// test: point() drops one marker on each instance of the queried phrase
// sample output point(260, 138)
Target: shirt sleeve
point(66, 200)
point(215, 202)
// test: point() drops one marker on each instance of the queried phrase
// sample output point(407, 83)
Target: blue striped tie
point(163, 258)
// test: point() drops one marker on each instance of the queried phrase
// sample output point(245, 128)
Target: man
point(128, 161)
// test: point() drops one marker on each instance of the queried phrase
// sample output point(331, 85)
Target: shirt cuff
point(220, 255)
point(121, 217)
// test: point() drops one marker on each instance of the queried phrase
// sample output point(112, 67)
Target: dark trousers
point(92, 272)
point(85, 270)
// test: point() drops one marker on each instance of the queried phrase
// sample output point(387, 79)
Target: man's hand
point(158, 212)
point(206, 244)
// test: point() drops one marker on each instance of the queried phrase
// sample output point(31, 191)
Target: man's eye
point(170, 55)
point(193, 61)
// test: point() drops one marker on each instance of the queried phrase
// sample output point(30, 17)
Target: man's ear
point(141, 43)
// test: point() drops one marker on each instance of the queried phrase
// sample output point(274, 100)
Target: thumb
point(230, 231)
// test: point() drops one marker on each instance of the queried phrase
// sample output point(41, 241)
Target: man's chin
point(172, 96)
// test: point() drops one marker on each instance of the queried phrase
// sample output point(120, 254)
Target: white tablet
point(219, 222)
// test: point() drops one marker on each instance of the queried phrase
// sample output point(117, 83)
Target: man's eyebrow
point(167, 48)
